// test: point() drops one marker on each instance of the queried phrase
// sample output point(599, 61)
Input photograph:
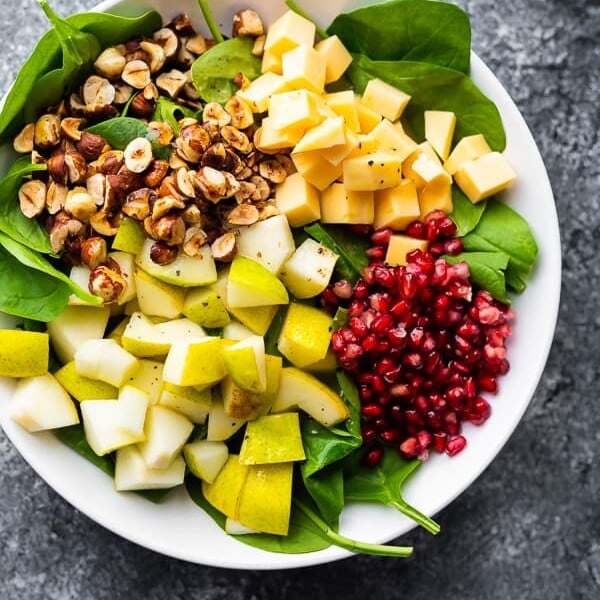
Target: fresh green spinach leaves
point(171, 112)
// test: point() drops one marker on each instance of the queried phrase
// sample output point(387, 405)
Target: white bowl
point(178, 528)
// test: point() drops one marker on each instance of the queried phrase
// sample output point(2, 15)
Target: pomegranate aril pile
point(421, 344)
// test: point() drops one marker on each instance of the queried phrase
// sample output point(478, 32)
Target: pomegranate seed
point(447, 227)
point(439, 441)
point(370, 343)
point(369, 434)
point(489, 315)
point(328, 296)
point(423, 439)
point(365, 392)
point(390, 435)
point(409, 447)
point(421, 404)
point(435, 215)
point(379, 303)
point(381, 237)
point(399, 309)
point(342, 289)
point(416, 337)
point(488, 383)
point(359, 328)
point(373, 457)
point(416, 229)
point(455, 445)
point(479, 411)
point(408, 285)
point(381, 324)
point(376, 252)
point(451, 423)
point(432, 231)
point(378, 385)
point(337, 342)
point(372, 410)
point(413, 359)
point(361, 290)
point(397, 337)
point(360, 230)
point(400, 390)
point(453, 247)
point(392, 375)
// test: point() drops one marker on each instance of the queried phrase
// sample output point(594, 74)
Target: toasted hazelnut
point(240, 111)
point(79, 204)
point(176, 162)
point(245, 192)
point(245, 174)
point(110, 161)
point(96, 188)
point(125, 180)
point(150, 92)
point(76, 166)
point(232, 185)
point(184, 57)
point(167, 40)
point(156, 54)
point(215, 113)
point(272, 170)
point(163, 254)
point(184, 182)
point(138, 155)
point(164, 205)
point(196, 44)
point(267, 211)
point(215, 156)
point(191, 215)
point(258, 49)
point(107, 284)
point(192, 142)
point(287, 163)
point(181, 24)
point(93, 252)
point(168, 187)
point(136, 73)
point(70, 128)
point(91, 145)
point(247, 22)
point(243, 214)
point(224, 248)
point(64, 226)
point(263, 189)
point(32, 198)
point(155, 173)
point(76, 105)
point(195, 238)
point(123, 92)
point(47, 131)
point(139, 203)
point(213, 130)
point(233, 163)
point(37, 158)
point(161, 132)
point(211, 183)
point(23, 143)
point(141, 107)
point(105, 223)
point(237, 139)
point(57, 167)
point(97, 90)
point(55, 197)
point(110, 63)
point(171, 82)
point(241, 81)
point(190, 92)
point(169, 229)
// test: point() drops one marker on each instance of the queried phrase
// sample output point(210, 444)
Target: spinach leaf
point(418, 30)
point(274, 331)
point(340, 319)
point(383, 483)
point(213, 72)
point(119, 131)
point(12, 220)
point(432, 87)
point(487, 271)
point(502, 229)
point(210, 21)
point(350, 248)
point(171, 112)
point(33, 260)
point(465, 213)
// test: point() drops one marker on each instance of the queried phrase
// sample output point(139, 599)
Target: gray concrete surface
point(529, 528)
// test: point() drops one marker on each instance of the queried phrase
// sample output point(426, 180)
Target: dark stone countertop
point(529, 527)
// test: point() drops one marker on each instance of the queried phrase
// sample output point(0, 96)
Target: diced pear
point(105, 360)
point(117, 331)
point(148, 378)
point(305, 334)
point(304, 68)
point(331, 132)
point(251, 284)
point(195, 361)
point(245, 363)
point(272, 439)
point(166, 433)
point(397, 206)
point(79, 275)
point(300, 390)
point(468, 148)
point(184, 271)
point(269, 242)
point(288, 31)
point(294, 109)
point(23, 353)
point(126, 262)
point(484, 176)
point(224, 492)
point(298, 200)
point(101, 426)
point(372, 172)
point(205, 459)
point(221, 426)
point(328, 364)
point(207, 305)
point(439, 130)
point(131, 414)
point(337, 58)
point(74, 326)
point(158, 298)
point(317, 171)
point(40, 402)
point(233, 527)
point(238, 404)
point(343, 103)
point(340, 205)
point(132, 473)
point(190, 402)
point(400, 245)
point(273, 366)
point(130, 236)
point(258, 92)
point(308, 271)
point(385, 99)
point(83, 388)
point(257, 319)
point(236, 331)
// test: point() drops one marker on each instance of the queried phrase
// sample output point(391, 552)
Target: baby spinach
point(415, 30)
point(210, 21)
point(465, 213)
point(12, 220)
point(171, 112)
point(432, 87)
point(214, 71)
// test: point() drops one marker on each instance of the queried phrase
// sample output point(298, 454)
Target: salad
point(269, 267)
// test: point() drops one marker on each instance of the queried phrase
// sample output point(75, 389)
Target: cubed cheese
point(393, 139)
point(271, 63)
point(298, 200)
point(368, 119)
point(337, 58)
point(400, 245)
point(287, 32)
point(304, 68)
point(436, 196)
point(318, 171)
point(385, 99)
point(331, 132)
point(484, 176)
point(424, 168)
point(259, 91)
point(268, 139)
point(336, 154)
point(339, 205)
point(439, 130)
point(295, 109)
point(372, 172)
point(468, 148)
point(366, 145)
point(396, 207)
point(344, 104)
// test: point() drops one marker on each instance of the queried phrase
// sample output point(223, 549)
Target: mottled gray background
point(529, 528)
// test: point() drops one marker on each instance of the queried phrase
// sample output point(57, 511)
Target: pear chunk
point(105, 360)
point(245, 362)
point(251, 284)
point(195, 361)
point(205, 459)
point(83, 388)
point(23, 353)
point(132, 473)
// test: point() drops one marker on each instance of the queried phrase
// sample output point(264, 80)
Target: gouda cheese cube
point(344, 104)
point(368, 119)
point(385, 99)
point(484, 176)
point(315, 169)
point(436, 196)
point(400, 245)
point(287, 32)
point(439, 130)
point(298, 200)
point(468, 148)
point(423, 168)
point(268, 139)
point(295, 109)
point(339, 205)
point(372, 172)
point(331, 132)
point(259, 91)
point(427, 148)
point(271, 63)
point(304, 68)
point(337, 58)
point(366, 145)
point(393, 139)
point(396, 207)
point(336, 154)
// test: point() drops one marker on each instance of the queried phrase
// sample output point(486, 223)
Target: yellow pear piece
point(205, 459)
point(81, 387)
point(245, 362)
point(224, 492)
point(23, 353)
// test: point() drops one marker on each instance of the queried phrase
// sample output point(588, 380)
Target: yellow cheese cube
point(339, 205)
point(337, 58)
point(396, 207)
point(268, 139)
point(428, 149)
point(484, 176)
point(439, 130)
point(315, 169)
point(331, 132)
point(304, 68)
point(468, 148)
point(385, 99)
point(336, 154)
point(368, 119)
point(295, 109)
point(344, 104)
point(436, 196)
point(400, 245)
point(259, 91)
point(287, 32)
point(298, 200)
point(271, 63)
point(393, 139)
point(424, 167)
point(372, 172)
point(366, 145)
